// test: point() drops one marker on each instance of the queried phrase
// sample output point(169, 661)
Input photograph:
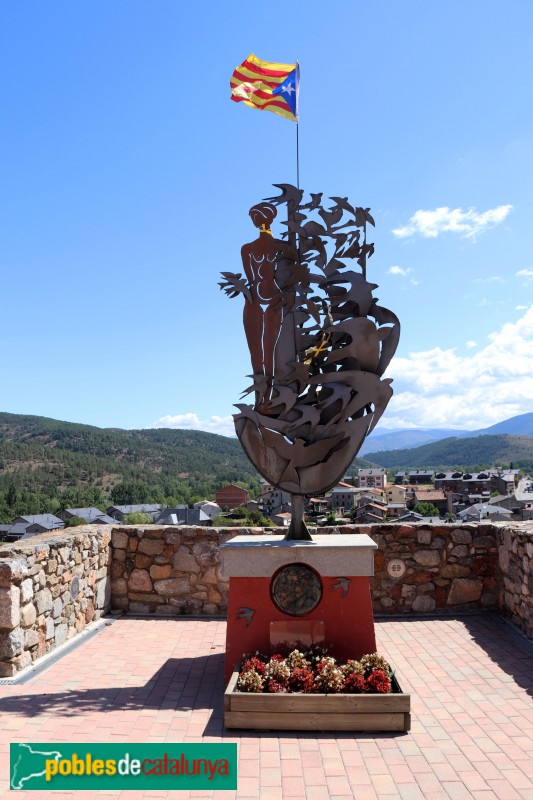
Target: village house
point(89, 515)
point(372, 478)
point(437, 498)
point(503, 481)
point(12, 531)
point(477, 484)
point(231, 496)
point(395, 494)
point(449, 481)
point(479, 512)
point(121, 512)
point(209, 508)
point(343, 497)
point(273, 499)
point(314, 506)
point(183, 515)
point(283, 519)
point(370, 512)
point(40, 523)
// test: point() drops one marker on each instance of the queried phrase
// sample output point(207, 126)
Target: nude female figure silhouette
point(263, 315)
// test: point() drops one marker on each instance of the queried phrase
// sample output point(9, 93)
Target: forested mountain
point(402, 439)
point(478, 451)
point(46, 465)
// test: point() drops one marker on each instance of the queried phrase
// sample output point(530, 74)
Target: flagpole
point(297, 158)
point(297, 87)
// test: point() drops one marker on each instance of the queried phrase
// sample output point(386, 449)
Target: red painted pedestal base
point(348, 622)
point(342, 620)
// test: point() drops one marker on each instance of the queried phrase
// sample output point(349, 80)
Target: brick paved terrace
point(160, 680)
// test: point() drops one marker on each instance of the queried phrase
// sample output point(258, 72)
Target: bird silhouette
point(262, 420)
point(297, 453)
point(282, 396)
point(247, 614)
point(359, 291)
point(288, 193)
point(315, 201)
point(299, 374)
point(309, 415)
point(331, 217)
point(342, 202)
point(364, 345)
point(342, 583)
point(260, 386)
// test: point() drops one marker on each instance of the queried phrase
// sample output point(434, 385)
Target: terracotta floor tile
point(471, 717)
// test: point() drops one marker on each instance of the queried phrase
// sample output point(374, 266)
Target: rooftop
point(468, 676)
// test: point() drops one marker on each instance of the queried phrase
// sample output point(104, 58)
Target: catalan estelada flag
point(267, 86)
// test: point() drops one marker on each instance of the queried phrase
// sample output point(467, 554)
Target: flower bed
point(311, 691)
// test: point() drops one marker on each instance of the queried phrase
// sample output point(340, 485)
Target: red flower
point(274, 687)
point(323, 663)
point(301, 680)
point(277, 657)
point(254, 663)
point(377, 681)
point(355, 684)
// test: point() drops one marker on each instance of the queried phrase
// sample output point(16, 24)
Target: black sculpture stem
point(298, 530)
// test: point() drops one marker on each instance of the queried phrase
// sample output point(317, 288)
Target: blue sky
point(127, 175)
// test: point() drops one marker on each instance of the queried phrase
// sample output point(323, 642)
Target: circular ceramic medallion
point(396, 567)
point(296, 589)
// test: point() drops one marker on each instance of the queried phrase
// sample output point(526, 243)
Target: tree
point(426, 509)
point(257, 519)
point(138, 518)
point(73, 522)
point(11, 496)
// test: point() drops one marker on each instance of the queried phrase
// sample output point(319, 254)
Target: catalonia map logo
point(102, 766)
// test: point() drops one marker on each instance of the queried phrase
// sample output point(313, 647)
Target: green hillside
point(478, 451)
point(46, 465)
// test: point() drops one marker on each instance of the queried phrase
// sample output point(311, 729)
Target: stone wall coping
point(334, 555)
point(67, 535)
point(58, 537)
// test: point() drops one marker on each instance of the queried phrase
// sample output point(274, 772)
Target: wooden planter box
point(320, 712)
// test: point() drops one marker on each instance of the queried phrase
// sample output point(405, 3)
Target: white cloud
point(439, 389)
point(520, 308)
point(191, 421)
point(526, 274)
point(467, 224)
point(493, 279)
point(403, 272)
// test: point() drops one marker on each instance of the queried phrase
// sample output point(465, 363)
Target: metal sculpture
point(319, 344)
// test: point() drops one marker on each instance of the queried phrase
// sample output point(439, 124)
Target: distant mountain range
point(472, 452)
point(404, 439)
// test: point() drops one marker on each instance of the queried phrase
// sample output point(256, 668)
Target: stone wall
point(168, 570)
point(515, 564)
point(51, 587)
point(447, 568)
point(176, 570)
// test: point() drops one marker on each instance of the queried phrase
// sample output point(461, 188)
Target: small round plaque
point(396, 567)
point(296, 589)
